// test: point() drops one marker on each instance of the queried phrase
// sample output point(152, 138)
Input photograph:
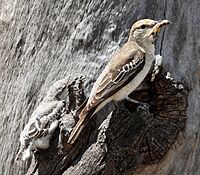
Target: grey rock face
point(43, 41)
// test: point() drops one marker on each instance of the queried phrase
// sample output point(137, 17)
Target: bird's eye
point(143, 26)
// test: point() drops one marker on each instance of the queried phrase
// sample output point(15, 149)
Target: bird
point(125, 71)
point(40, 128)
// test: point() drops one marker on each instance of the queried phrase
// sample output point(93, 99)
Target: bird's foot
point(141, 105)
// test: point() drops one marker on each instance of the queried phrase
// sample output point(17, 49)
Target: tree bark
point(43, 41)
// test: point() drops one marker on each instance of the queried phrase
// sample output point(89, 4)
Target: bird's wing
point(116, 78)
point(111, 82)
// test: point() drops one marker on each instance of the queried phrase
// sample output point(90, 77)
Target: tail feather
point(84, 117)
point(77, 130)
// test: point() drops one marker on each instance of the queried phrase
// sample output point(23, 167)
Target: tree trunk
point(43, 41)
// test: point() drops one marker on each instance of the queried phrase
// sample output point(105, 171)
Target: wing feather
point(108, 84)
point(116, 78)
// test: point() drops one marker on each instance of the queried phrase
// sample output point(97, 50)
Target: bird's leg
point(141, 104)
point(35, 167)
point(132, 100)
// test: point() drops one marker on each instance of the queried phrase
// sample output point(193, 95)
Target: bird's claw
point(142, 106)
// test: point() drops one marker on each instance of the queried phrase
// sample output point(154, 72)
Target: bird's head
point(145, 31)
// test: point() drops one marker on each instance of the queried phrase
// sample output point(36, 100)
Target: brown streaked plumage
point(124, 73)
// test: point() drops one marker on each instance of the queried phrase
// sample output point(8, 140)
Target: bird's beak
point(156, 28)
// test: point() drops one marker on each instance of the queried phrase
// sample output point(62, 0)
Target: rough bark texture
point(129, 138)
point(45, 40)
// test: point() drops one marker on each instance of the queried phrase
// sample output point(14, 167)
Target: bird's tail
point(77, 129)
point(84, 118)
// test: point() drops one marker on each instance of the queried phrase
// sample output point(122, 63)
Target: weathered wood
point(45, 40)
point(131, 136)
